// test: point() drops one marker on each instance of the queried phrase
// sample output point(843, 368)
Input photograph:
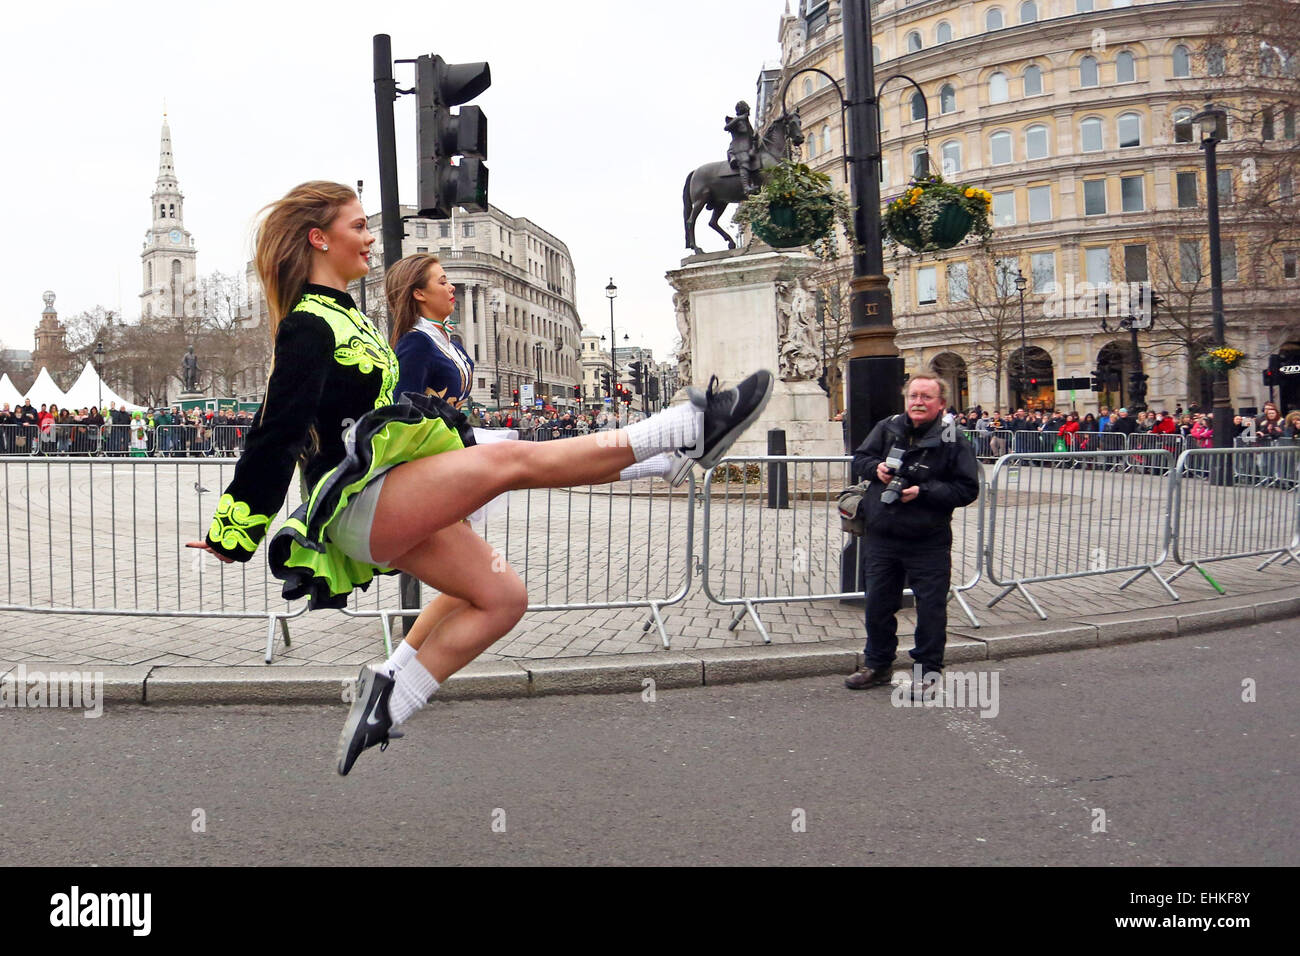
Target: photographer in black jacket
point(923, 470)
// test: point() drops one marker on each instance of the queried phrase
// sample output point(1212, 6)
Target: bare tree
point(987, 319)
point(228, 345)
point(836, 324)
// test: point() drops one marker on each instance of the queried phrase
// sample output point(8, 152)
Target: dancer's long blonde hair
point(283, 255)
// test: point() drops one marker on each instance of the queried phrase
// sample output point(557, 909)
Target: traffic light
point(1096, 383)
point(654, 388)
point(516, 396)
point(1270, 378)
point(605, 381)
point(577, 392)
point(493, 391)
point(440, 136)
point(634, 369)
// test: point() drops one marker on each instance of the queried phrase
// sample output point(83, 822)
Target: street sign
point(537, 403)
point(526, 393)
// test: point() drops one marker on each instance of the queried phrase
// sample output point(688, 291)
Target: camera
point(895, 488)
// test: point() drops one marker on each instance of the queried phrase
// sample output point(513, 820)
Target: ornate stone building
point(169, 259)
point(1065, 110)
point(51, 351)
point(514, 286)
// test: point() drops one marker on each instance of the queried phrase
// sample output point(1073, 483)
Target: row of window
point(1042, 277)
point(994, 19)
point(1097, 196)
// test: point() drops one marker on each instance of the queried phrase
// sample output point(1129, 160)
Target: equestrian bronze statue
point(718, 185)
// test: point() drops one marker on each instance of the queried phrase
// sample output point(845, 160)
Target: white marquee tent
point(86, 392)
point(8, 394)
point(44, 391)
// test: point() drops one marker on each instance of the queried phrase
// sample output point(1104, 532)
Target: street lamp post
point(1213, 122)
point(1023, 378)
point(611, 292)
point(362, 303)
point(875, 367)
point(99, 373)
point(537, 356)
point(496, 344)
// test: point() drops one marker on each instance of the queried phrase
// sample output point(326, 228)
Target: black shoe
point(867, 677)
point(369, 720)
point(727, 414)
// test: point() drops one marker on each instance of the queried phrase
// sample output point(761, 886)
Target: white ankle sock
point(655, 467)
point(669, 430)
point(411, 691)
point(403, 654)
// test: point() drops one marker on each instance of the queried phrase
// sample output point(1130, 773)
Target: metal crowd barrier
point(107, 536)
point(100, 536)
point(585, 548)
point(990, 444)
point(1235, 503)
point(796, 553)
point(1047, 523)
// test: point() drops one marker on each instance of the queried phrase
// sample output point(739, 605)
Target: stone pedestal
point(744, 310)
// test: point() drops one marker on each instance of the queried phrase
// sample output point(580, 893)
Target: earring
point(325, 248)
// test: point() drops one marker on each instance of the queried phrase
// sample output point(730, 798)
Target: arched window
point(1088, 71)
point(1129, 127)
point(998, 88)
point(1182, 61)
point(1214, 61)
point(807, 86)
point(1125, 71)
point(920, 162)
point(914, 42)
point(826, 139)
point(943, 33)
point(1028, 11)
point(1267, 62)
point(1033, 81)
point(162, 211)
point(875, 54)
point(1000, 148)
point(993, 19)
point(1090, 138)
point(947, 99)
point(1036, 142)
point(918, 106)
point(951, 153)
point(1183, 129)
point(812, 146)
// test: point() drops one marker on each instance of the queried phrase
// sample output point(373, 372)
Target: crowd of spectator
point(1077, 434)
point(50, 430)
point(546, 424)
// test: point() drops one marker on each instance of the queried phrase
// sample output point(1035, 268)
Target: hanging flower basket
point(1221, 359)
point(933, 214)
point(796, 207)
point(785, 228)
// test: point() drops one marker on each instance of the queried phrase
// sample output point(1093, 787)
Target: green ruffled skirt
point(301, 553)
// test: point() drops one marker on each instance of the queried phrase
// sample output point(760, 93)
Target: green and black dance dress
point(329, 410)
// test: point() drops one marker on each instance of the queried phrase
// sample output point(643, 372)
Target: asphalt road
point(1156, 735)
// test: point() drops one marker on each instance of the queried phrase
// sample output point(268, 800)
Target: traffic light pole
point(385, 93)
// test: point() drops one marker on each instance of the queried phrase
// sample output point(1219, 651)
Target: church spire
point(166, 170)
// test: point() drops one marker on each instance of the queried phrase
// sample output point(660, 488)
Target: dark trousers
point(927, 567)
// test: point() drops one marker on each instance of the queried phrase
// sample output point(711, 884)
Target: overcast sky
point(597, 111)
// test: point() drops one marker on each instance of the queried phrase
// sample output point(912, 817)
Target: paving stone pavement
point(83, 534)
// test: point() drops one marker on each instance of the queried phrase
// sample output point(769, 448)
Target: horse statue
point(717, 185)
